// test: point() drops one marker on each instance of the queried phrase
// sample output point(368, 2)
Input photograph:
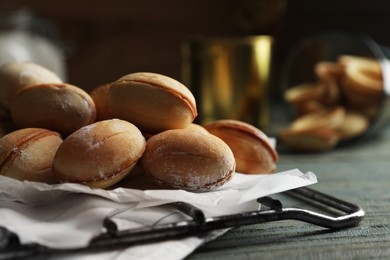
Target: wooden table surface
point(358, 173)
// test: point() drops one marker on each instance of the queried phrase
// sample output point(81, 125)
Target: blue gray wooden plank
point(358, 173)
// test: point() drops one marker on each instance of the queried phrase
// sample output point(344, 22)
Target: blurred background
point(103, 40)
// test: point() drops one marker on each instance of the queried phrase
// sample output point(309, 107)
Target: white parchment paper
point(70, 215)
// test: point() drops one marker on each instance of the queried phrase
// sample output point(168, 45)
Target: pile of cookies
point(140, 124)
point(338, 106)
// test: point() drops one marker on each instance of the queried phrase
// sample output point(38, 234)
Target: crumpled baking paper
point(70, 215)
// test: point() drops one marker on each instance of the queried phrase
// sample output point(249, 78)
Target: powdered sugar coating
point(188, 160)
point(99, 154)
point(27, 154)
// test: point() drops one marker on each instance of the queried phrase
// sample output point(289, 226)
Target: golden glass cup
point(230, 78)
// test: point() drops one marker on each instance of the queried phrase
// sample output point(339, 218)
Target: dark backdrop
point(107, 39)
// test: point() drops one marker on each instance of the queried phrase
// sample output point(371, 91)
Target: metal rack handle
point(199, 225)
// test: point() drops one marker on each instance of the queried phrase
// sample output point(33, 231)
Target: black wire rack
point(198, 225)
